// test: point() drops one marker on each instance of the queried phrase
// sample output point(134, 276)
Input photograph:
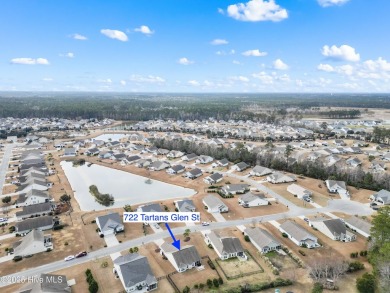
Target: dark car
point(17, 258)
point(81, 254)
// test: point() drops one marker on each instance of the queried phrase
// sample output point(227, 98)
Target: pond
point(113, 136)
point(126, 188)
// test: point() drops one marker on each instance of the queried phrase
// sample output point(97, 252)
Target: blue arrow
point(175, 242)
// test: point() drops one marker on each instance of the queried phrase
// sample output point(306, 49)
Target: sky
point(205, 46)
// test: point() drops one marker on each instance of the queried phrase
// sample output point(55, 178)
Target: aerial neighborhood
point(271, 198)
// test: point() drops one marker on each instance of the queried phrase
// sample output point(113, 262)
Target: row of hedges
point(294, 257)
point(93, 285)
point(279, 282)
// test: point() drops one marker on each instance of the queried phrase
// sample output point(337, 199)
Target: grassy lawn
point(234, 268)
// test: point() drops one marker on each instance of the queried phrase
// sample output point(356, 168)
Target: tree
point(366, 283)
point(93, 287)
point(135, 249)
point(6, 199)
point(317, 288)
point(65, 198)
point(187, 232)
point(380, 230)
point(287, 152)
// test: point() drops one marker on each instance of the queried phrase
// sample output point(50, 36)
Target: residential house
point(204, 160)
point(358, 225)
point(214, 204)
point(213, 178)
point(249, 199)
point(175, 154)
point(335, 229)
point(35, 210)
point(189, 157)
point(40, 223)
point(48, 284)
point(226, 247)
point(353, 162)
point(260, 171)
point(182, 260)
point(185, 205)
point(158, 165)
point(382, 197)
point(299, 191)
point(105, 154)
point(149, 208)
point(130, 160)
point(232, 189)
point(118, 157)
point(31, 197)
point(194, 173)
point(299, 235)
point(135, 273)
point(262, 240)
point(339, 142)
point(240, 166)
point(338, 187)
point(278, 177)
point(110, 224)
point(34, 242)
point(386, 157)
point(92, 152)
point(70, 152)
point(143, 163)
point(220, 163)
point(177, 169)
point(378, 166)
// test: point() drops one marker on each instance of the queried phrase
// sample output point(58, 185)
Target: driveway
point(111, 240)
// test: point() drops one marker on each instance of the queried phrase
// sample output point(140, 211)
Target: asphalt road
point(4, 164)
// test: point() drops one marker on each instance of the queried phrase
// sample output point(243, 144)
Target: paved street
point(4, 164)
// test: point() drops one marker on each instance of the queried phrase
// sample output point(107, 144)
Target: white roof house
point(226, 247)
point(260, 171)
point(34, 242)
point(299, 191)
point(278, 177)
point(214, 204)
point(381, 197)
point(252, 200)
point(262, 239)
point(338, 187)
point(335, 229)
point(184, 259)
point(359, 225)
point(299, 235)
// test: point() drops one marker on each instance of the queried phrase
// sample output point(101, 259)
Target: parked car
point(17, 258)
point(205, 223)
point(69, 257)
point(3, 220)
point(306, 220)
point(81, 254)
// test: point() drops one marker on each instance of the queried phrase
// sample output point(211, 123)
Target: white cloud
point(216, 42)
point(325, 67)
point(255, 53)
point(344, 52)
point(185, 61)
point(346, 69)
point(30, 61)
point(280, 65)
point(240, 78)
point(107, 81)
point(221, 11)
point(79, 37)
point(264, 77)
point(68, 55)
point(257, 10)
point(47, 79)
point(115, 34)
point(123, 82)
point(144, 29)
point(194, 83)
point(237, 62)
point(327, 3)
point(377, 65)
point(224, 53)
point(146, 79)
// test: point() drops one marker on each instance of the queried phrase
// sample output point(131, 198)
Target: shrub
point(88, 272)
point(93, 287)
point(210, 246)
point(302, 252)
point(209, 283)
point(284, 235)
point(355, 266)
point(186, 289)
point(246, 237)
point(317, 288)
point(66, 243)
point(104, 264)
point(215, 283)
point(220, 281)
point(93, 221)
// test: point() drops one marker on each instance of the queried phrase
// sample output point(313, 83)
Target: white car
point(3, 220)
point(69, 257)
point(205, 223)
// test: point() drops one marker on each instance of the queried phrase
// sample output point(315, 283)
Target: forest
point(139, 107)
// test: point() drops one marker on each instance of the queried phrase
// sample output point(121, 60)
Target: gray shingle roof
point(185, 205)
point(296, 231)
point(109, 221)
point(212, 201)
point(261, 237)
point(153, 207)
point(225, 245)
point(135, 269)
point(35, 209)
point(34, 223)
point(359, 224)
